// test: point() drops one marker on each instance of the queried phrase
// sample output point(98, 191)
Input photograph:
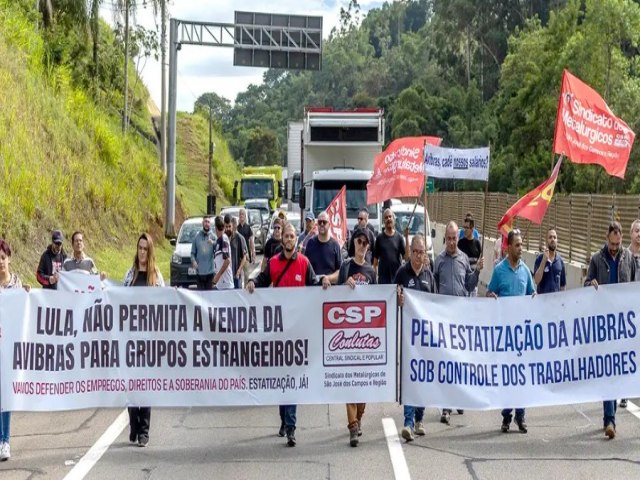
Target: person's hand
point(400, 293)
point(492, 295)
point(326, 283)
point(251, 286)
point(594, 283)
point(480, 264)
point(26, 287)
point(545, 255)
point(103, 276)
point(533, 294)
point(194, 264)
point(351, 282)
point(53, 279)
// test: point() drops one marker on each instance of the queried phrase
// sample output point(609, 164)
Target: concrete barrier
point(576, 272)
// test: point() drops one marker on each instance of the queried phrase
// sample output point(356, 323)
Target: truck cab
point(260, 182)
point(339, 148)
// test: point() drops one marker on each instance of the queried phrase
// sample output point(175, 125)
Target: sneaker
point(444, 418)
point(5, 452)
point(282, 432)
point(353, 437)
point(291, 439)
point(143, 441)
point(420, 428)
point(133, 437)
point(506, 423)
point(460, 411)
point(522, 427)
point(407, 434)
point(610, 431)
point(360, 427)
point(623, 403)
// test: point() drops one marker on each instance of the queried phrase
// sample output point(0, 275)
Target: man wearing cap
point(51, 262)
point(309, 231)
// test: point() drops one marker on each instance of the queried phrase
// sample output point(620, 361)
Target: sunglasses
point(322, 222)
point(277, 227)
point(361, 241)
point(419, 252)
point(362, 218)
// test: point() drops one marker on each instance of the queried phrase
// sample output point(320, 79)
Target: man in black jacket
point(51, 262)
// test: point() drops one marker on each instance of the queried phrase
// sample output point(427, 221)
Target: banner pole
point(484, 208)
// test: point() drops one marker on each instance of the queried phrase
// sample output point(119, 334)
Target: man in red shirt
point(286, 269)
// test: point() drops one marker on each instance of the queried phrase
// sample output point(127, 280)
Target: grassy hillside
point(192, 165)
point(63, 160)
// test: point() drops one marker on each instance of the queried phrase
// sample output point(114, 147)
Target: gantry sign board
point(277, 41)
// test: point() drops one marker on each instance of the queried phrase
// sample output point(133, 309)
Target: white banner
point(463, 164)
point(169, 347)
point(553, 349)
point(79, 281)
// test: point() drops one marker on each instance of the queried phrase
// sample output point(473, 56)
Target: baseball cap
point(57, 237)
point(309, 216)
point(360, 232)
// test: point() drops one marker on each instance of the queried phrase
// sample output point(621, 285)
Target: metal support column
point(170, 224)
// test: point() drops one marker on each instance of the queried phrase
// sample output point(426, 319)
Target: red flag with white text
point(337, 212)
point(399, 170)
point(587, 131)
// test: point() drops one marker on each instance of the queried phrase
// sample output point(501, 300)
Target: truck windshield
point(325, 191)
point(257, 188)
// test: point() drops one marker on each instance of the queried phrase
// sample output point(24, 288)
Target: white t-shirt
point(221, 253)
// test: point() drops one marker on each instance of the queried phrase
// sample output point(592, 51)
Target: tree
point(220, 106)
point(263, 148)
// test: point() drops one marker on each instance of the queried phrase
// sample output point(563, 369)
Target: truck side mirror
point(285, 195)
point(172, 242)
point(235, 191)
point(281, 194)
point(302, 197)
point(433, 233)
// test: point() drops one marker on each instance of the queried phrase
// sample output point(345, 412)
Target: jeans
point(412, 413)
point(5, 426)
point(236, 283)
point(140, 420)
point(609, 408)
point(288, 417)
point(205, 282)
point(355, 411)
point(519, 413)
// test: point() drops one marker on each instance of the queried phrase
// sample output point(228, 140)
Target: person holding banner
point(510, 278)
point(143, 273)
point(8, 279)
point(415, 275)
point(287, 269)
point(612, 264)
point(454, 276)
point(354, 271)
point(390, 250)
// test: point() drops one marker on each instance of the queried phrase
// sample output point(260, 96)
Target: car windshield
point(188, 232)
point(415, 226)
point(254, 217)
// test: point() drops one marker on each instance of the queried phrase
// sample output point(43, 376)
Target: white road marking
point(87, 462)
point(400, 468)
point(633, 409)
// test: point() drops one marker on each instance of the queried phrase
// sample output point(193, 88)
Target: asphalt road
point(564, 442)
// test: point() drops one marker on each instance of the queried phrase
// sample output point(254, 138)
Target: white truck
point(294, 164)
point(338, 148)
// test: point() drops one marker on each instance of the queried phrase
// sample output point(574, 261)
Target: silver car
point(254, 218)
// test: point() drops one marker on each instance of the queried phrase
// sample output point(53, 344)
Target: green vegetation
point(192, 167)
point(64, 162)
point(471, 71)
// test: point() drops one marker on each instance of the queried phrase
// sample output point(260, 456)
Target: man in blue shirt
point(550, 274)
point(511, 277)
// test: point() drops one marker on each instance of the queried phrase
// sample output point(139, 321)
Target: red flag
point(587, 131)
point(337, 211)
point(533, 205)
point(399, 170)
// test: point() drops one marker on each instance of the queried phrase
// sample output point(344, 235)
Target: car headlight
point(175, 258)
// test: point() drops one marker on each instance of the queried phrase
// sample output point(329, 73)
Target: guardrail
point(581, 220)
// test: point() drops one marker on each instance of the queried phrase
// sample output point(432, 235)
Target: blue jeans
point(288, 417)
point(236, 283)
point(519, 413)
point(5, 426)
point(609, 408)
point(412, 413)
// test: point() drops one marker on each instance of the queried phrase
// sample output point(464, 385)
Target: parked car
point(254, 217)
point(261, 204)
point(416, 224)
point(182, 275)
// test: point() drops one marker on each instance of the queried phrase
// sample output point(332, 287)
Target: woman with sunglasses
point(354, 271)
point(8, 279)
point(143, 273)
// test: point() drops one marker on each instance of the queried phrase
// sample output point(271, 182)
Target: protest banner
point(553, 349)
point(169, 347)
point(457, 163)
point(587, 131)
point(79, 281)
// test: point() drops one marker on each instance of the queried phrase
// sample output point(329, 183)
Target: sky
point(210, 69)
